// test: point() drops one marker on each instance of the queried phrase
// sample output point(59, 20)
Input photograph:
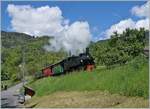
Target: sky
point(95, 20)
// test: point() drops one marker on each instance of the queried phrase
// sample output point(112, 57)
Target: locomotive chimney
point(87, 50)
point(69, 54)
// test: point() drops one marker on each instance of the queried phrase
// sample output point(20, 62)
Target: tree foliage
point(120, 48)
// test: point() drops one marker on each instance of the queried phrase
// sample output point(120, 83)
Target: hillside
point(130, 80)
point(113, 86)
point(14, 39)
point(13, 45)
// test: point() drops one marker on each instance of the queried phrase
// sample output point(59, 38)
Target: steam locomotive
point(82, 61)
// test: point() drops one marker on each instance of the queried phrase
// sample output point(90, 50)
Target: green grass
point(130, 80)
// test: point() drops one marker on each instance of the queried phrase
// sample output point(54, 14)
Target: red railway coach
point(47, 71)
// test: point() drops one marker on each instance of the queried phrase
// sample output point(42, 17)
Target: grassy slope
point(131, 80)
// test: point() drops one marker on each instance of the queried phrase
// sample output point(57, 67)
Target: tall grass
point(130, 80)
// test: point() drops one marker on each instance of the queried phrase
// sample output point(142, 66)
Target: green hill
point(36, 57)
point(13, 39)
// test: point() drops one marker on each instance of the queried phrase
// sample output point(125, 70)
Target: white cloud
point(141, 11)
point(120, 27)
point(143, 23)
point(36, 21)
point(127, 23)
point(49, 21)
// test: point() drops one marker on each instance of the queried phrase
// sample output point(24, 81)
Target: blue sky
point(100, 15)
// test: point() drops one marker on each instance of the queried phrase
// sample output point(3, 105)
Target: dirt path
point(91, 99)
point(9, 97)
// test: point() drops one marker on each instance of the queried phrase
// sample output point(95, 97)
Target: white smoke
point(49, 21)
point(74, 38)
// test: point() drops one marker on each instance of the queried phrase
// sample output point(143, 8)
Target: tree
point(120, 48)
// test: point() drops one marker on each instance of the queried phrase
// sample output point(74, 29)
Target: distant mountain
point(13, 39)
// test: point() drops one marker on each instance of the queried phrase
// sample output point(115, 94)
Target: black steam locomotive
point(82, 61)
